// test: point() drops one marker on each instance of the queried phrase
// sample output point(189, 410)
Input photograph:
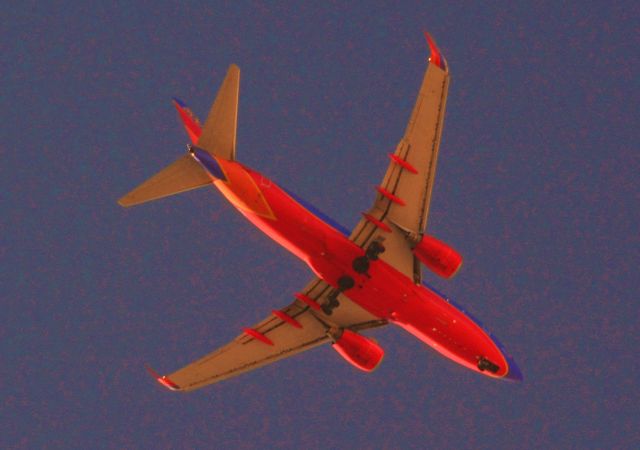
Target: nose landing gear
point(485, 364)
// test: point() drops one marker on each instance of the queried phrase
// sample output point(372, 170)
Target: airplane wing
point(286, 332)
point(402, 203)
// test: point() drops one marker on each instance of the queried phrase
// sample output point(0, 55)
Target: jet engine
point(361, 352)
point(438, 256)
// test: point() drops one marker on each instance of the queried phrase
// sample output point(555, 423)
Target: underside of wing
point(298, 327)
point(399, 214)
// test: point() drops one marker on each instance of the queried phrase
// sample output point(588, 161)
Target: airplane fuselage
point(325, 247)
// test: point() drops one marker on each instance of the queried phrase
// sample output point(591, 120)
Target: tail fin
point(192, 125)
point(218, 138)
point(181, 176)
point(219, 132)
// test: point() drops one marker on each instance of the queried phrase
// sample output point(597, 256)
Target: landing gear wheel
point(361, 264)
point(345, 283)
point(374, 249)
point(333, 300)
point(331, 303)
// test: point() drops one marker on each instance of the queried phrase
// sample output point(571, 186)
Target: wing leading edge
point(401, 207)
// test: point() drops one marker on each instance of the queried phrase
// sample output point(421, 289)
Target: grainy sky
point(537, 186)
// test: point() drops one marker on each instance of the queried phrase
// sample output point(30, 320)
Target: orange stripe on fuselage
point(242, 191)
point(292, 227)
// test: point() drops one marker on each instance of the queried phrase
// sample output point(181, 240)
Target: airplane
point(364, 278)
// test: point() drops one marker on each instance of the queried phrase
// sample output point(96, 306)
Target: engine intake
point(361, 352)
point(438, 256)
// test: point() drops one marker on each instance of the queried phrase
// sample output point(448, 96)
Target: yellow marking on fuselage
point(242, 191)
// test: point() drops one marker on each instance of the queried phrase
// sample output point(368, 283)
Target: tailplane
point(183, 175)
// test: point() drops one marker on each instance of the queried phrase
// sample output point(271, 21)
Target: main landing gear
point(345, 283)
point(360, 265)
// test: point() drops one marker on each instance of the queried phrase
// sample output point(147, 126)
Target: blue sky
point(536, 186)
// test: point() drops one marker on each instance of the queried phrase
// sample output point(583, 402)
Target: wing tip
point(163, 379)
point(125, 201)
point(436, 56)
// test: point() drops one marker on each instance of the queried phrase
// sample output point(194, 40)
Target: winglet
point(436, 57)
point(163, 380)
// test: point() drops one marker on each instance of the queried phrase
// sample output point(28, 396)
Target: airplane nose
point(514, 374)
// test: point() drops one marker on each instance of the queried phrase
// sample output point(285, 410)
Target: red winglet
point(162, 379)
point(259, 336)
point(436, 57)
point(308, 300)
point(383, 226)
point(286, 318)
point(390, 196)
point(401, 162)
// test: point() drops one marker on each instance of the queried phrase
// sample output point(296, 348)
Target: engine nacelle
point(438, 256)
point(362, 352)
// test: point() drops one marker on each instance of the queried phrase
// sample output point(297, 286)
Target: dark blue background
point(537, 186)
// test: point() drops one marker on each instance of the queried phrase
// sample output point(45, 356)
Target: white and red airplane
point(365, 278)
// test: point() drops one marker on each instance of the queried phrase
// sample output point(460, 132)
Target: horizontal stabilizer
point(183, 175)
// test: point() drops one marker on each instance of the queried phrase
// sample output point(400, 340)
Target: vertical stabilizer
point(219, 131)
